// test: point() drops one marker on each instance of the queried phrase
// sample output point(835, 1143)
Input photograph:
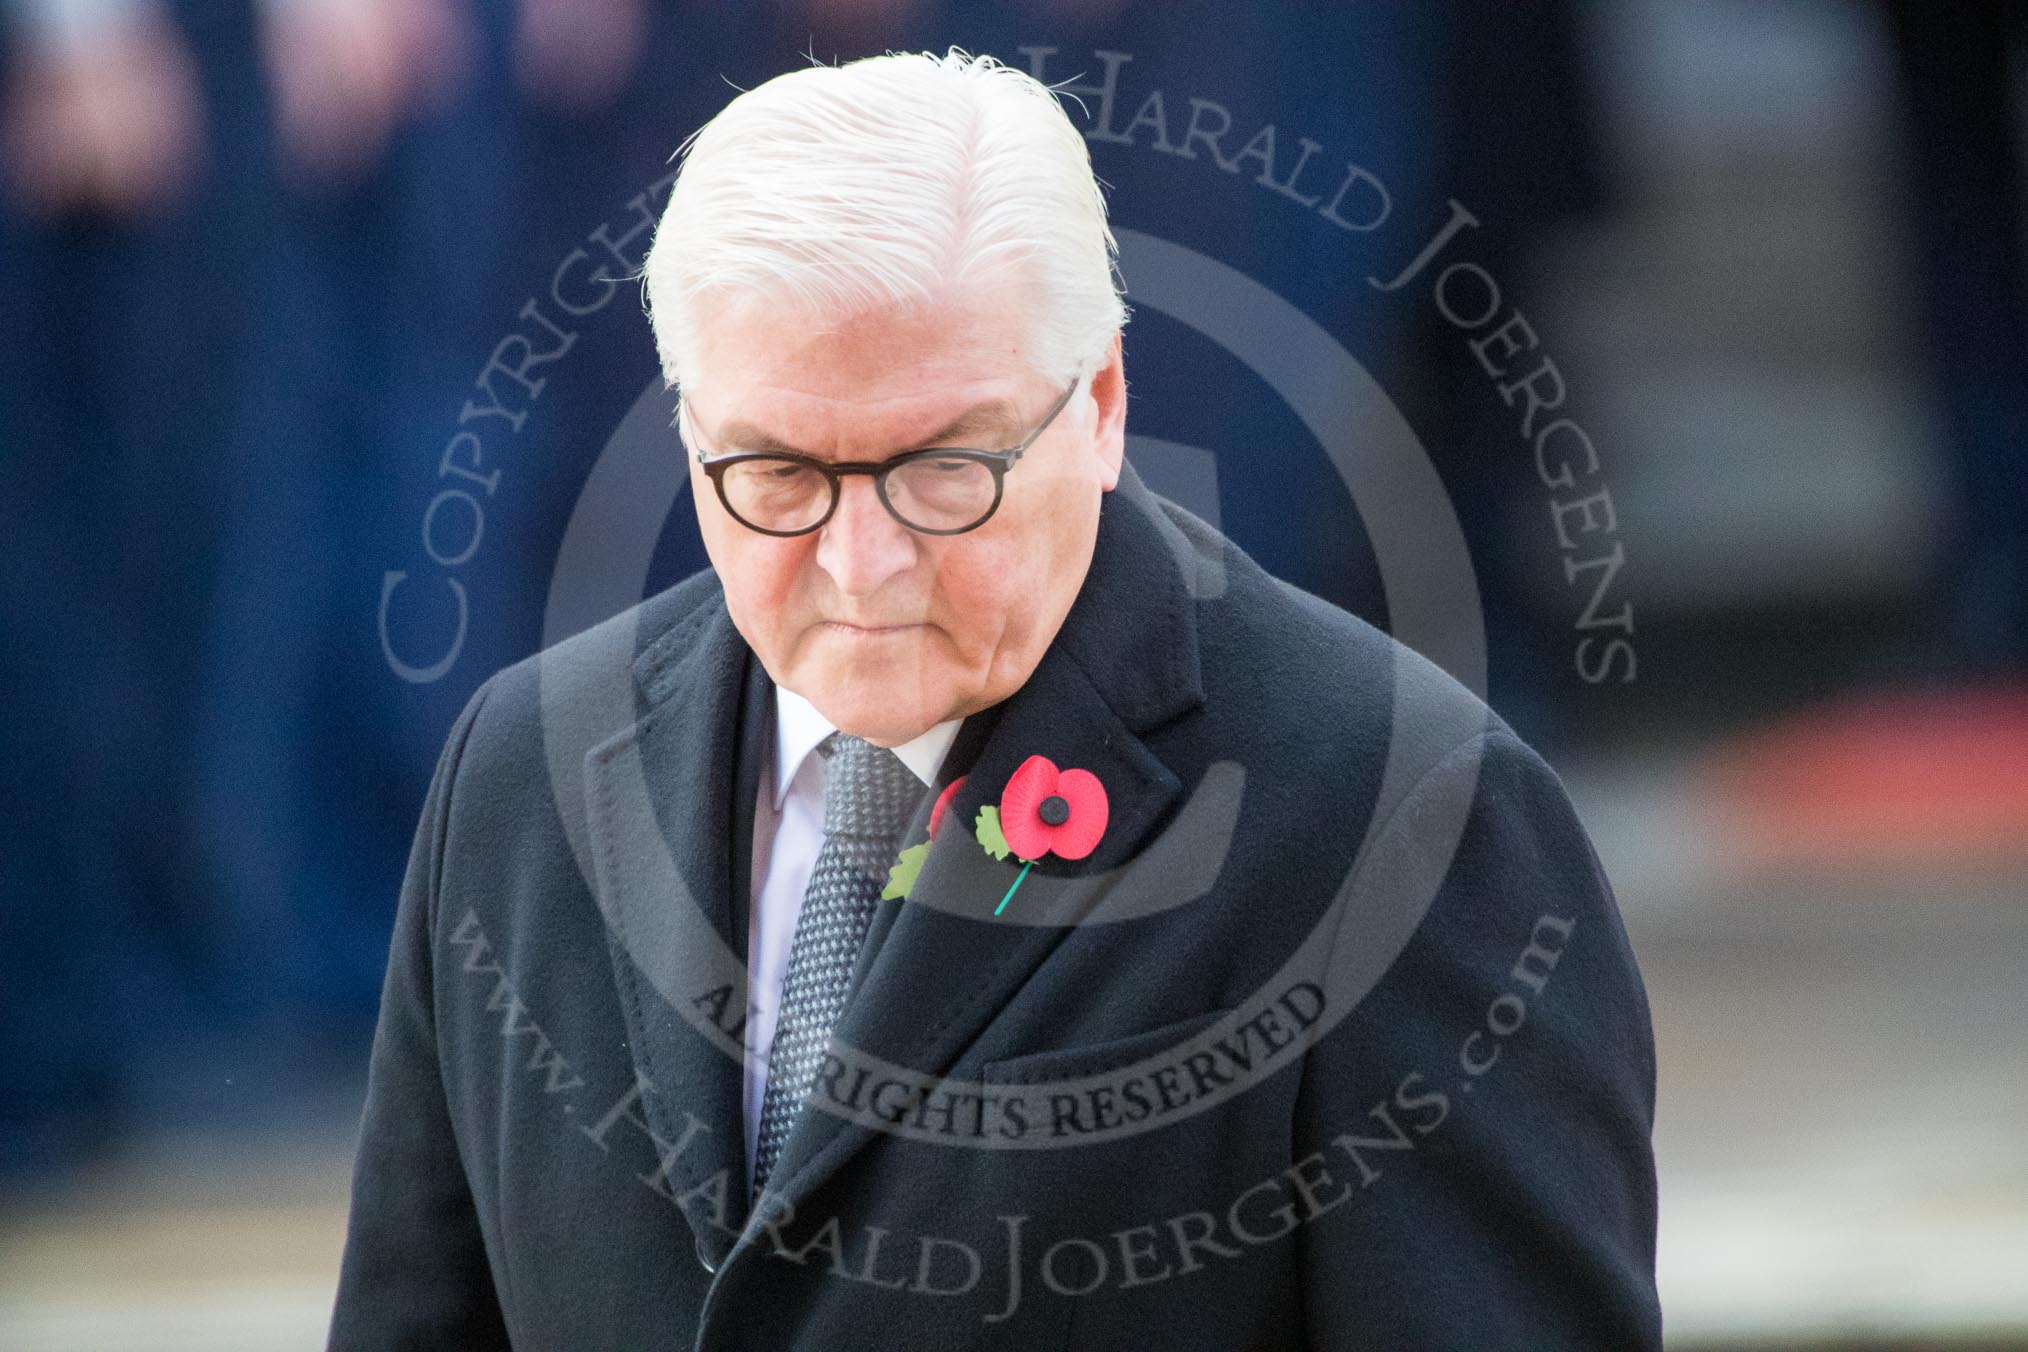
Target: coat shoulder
point(591, 665)
point(582, 689)
point(1282, 663)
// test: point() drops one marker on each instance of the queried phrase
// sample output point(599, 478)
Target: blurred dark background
point(315, 320)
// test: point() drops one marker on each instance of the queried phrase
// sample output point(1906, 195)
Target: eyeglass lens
point(932, 493)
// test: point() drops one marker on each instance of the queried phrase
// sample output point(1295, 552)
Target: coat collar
point(1124, 662)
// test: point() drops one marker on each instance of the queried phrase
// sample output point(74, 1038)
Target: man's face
point(888, 631)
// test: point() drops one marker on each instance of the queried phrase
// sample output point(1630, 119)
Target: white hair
point(897, 180)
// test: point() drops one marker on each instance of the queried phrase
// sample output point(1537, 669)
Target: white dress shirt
point(788, 830)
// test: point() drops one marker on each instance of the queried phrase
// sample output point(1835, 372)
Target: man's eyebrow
point(994, 416)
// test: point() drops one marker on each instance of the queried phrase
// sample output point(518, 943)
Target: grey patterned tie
point(869, 796)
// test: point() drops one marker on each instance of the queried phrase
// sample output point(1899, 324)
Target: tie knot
point(868, 790)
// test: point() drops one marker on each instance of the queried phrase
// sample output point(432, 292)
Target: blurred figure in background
point(346, 74)
point(113, 213)
point(102, 110)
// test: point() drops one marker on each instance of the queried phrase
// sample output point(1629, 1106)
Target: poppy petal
point(1020, 803)
point(943, 802)
point(1079, 836)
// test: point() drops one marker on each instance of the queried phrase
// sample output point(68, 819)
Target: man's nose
point(862, 545)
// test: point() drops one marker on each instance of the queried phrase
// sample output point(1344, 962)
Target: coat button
point(704, 1257)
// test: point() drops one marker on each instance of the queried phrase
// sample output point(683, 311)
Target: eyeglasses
point(941, 490)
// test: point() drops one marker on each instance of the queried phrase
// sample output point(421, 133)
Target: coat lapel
point(670, 832)
point(931, 977)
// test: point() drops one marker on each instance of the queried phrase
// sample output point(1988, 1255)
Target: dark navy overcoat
point(1335, 1040)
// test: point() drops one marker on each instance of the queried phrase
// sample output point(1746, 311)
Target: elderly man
point(946, 922)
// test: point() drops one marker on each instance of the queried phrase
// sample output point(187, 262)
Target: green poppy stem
point(1010, 891)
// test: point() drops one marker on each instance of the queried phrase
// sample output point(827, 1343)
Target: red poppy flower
point(1044, 810)
point(943, 802)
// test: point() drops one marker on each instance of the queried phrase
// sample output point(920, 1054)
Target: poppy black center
point(1054, 810)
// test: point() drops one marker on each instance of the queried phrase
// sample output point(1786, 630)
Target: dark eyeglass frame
point(999, 462)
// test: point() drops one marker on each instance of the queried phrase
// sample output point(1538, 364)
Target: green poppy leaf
point(901, 878)
point(988, 832)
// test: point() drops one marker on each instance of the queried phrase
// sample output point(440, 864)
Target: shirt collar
point(799, 727)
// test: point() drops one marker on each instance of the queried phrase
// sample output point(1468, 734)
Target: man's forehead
point(985, 420)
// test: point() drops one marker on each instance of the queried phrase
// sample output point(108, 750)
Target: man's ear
point(1109, 429)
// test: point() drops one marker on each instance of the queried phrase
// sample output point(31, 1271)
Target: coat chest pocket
point(1097, 1058)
